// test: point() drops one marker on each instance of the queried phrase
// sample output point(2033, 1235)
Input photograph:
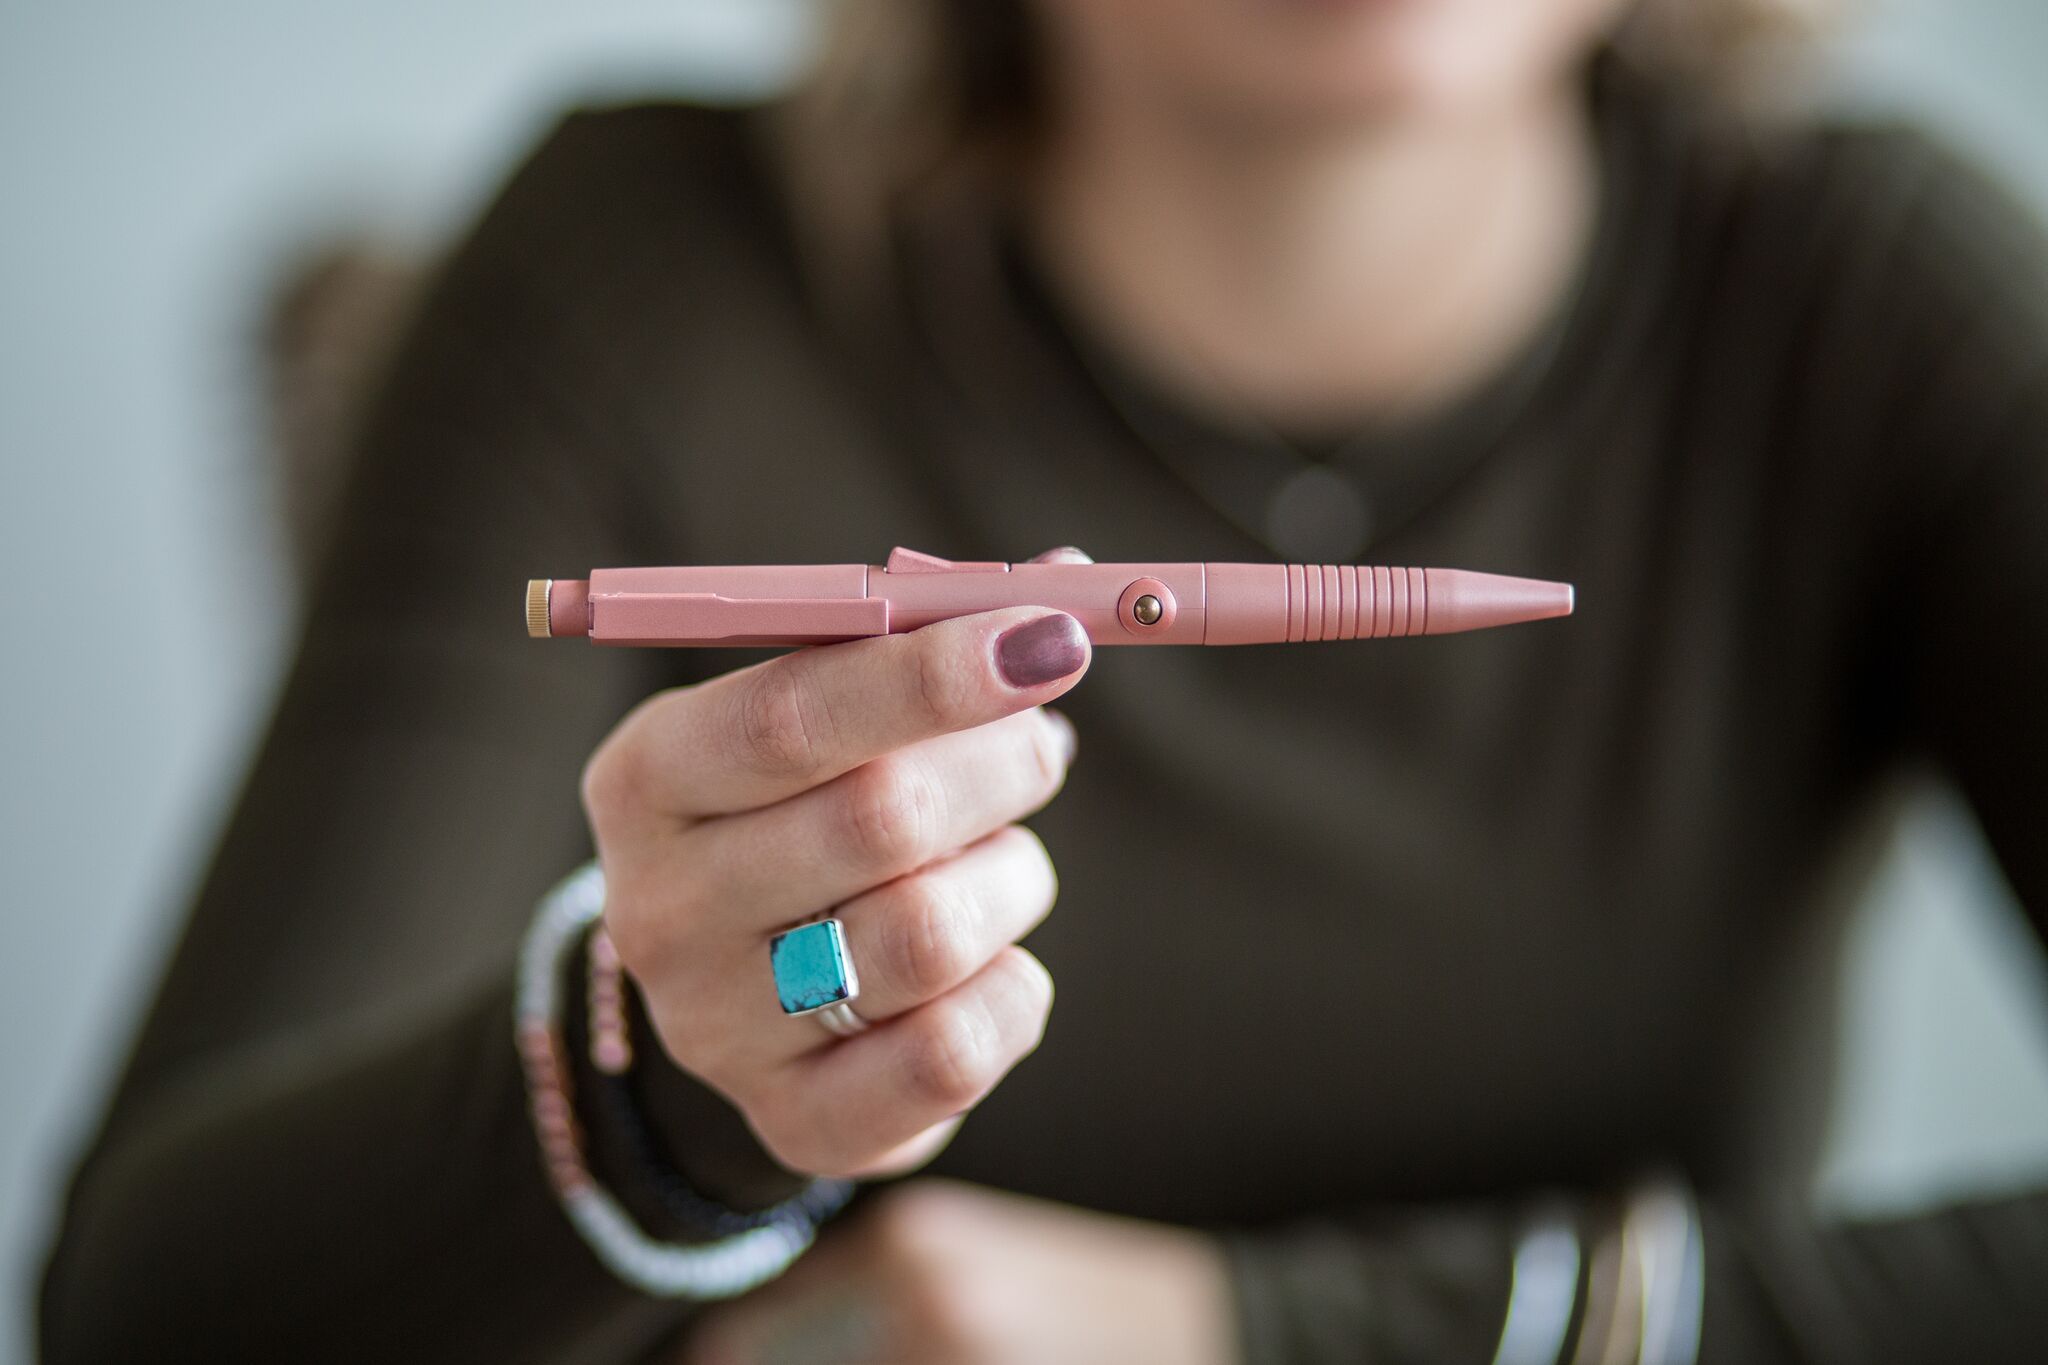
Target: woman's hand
point(939, 1273)
point(879, 780)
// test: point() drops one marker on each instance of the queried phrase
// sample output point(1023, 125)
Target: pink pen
point(787, 605)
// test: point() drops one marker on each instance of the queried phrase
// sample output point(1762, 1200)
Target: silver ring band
point(841, 1019)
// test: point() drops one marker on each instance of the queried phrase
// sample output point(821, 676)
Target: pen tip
point(1462, 600)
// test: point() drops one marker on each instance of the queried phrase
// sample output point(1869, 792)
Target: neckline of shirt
point(987, 307)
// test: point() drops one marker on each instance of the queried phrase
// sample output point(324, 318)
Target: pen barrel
point(782, 606)
point(1102, 597)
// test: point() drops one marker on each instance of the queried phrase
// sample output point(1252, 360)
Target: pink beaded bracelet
point(611, 1045)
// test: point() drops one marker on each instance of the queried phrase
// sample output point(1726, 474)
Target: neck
point(1301, 277)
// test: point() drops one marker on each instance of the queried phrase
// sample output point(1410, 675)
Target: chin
point(1347, 59)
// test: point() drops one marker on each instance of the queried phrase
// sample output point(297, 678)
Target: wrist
point(651, 1123)
point(697, 1130)
point(734, 1251)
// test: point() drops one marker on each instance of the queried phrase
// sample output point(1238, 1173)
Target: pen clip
point(902, 560)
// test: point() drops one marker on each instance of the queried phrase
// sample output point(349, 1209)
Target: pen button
point(1147, 607)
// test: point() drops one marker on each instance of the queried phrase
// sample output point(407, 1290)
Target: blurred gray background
point(160, 165)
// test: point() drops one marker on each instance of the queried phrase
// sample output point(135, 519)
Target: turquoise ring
point(814, 975)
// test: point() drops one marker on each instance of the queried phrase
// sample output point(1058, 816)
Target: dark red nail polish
point(1039, 651)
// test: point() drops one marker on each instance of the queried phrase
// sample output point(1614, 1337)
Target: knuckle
point(655, 911)
point(929, 945)
point(891, 813)
point(637, 929)
point(1035, 865)
point(779, 726)
point(934, 690)
point(1025, 1001)
point(1034, 984)
point(610, 783)
point(952, 1060)
point(1045, 755)
point(632, 934)
point(617, 778)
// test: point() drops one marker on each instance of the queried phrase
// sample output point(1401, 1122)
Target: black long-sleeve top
point(1358, 947)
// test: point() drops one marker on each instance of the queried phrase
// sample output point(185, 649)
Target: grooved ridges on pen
point(1270, 603)
point(1361, 602)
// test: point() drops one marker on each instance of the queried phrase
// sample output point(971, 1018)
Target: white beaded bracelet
point(713, 1270)
point(1672, 1248)
point(1543, 1291)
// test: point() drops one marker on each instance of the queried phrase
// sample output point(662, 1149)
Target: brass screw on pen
point(1146, 609)
point(537, 607)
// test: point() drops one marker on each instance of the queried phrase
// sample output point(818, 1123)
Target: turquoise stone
point(811, 967)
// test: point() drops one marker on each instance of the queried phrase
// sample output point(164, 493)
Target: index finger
point(761, 734)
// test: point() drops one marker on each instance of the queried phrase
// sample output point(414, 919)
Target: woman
point(1449, 1000)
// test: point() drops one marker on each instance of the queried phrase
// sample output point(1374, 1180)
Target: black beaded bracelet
point(682, 1203)
point(612, 1003)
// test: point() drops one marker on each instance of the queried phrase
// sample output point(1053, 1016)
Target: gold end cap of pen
point(537, 607)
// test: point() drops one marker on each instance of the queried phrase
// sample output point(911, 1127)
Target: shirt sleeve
point(319, 1148)
point(1433, 1286)
point(1953, 585)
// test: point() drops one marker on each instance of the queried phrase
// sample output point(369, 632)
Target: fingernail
point(1039, 651)
point(1069, 739)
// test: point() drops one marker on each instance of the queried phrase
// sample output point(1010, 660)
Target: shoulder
point(1889, 296)
point(1909, 192)
point(1828, 259)
point(612, 198)
point(637, 149)
point(1930, 277)
point(1874, 217)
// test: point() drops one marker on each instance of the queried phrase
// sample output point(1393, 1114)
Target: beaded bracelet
point(1646, 1286)
point(611, 1056)
point(1543, 1290)
point(719, 1269)
point(611, 1038)
point(1672, 1248)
